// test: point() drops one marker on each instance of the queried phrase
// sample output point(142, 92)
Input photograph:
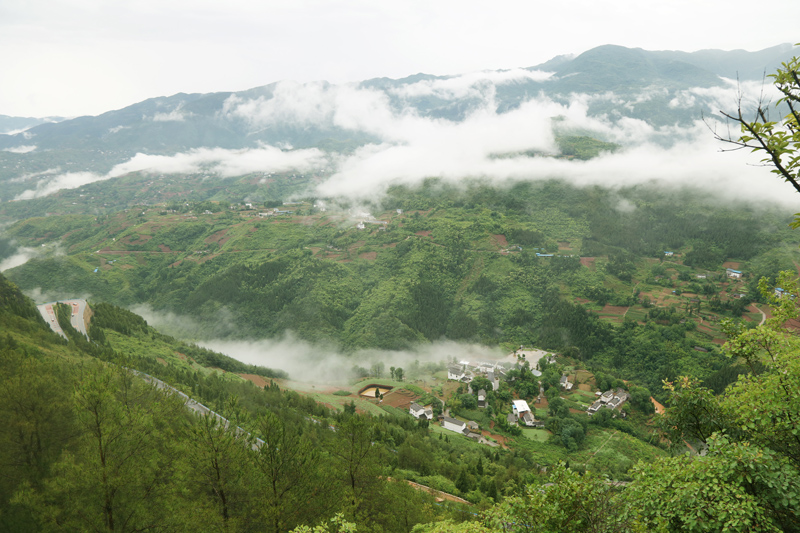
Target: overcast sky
point(75, 57)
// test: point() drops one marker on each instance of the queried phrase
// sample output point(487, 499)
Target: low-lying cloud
point(303, 360)
point(413, 146)
point(220, 161)
point(24, 149)
point(23, 254)
point(323, 364)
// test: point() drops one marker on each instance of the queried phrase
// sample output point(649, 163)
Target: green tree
point(568, 503)
point(778, 141)
point(291, 472)
point(120, 476)
point(357, 463)
point(216, 464)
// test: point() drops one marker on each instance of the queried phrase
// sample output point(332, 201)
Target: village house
point(482, 398)
point(455, 372)
point(735, 274)
point(610, 399)
point(524, 413)
point(566, 384)
point(418, 411)
point(455, 425)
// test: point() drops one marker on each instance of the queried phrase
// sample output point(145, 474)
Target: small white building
point(455, 372)
point(734, 274)
point(455, 425)
point(418, 411)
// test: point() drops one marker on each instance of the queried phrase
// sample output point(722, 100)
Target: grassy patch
point(538, 435)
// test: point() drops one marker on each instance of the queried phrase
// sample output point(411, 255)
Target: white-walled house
point(455, 372)
point(455, 425)
point(418, 411)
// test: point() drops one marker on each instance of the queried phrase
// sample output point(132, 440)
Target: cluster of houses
point(465, 372)
point(610, 399)
point(275, 212)
point(468, 429)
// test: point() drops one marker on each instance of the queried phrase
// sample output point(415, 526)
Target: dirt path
point(659, 408)
point(763, 315)
point(606, 442)
point(633, 291)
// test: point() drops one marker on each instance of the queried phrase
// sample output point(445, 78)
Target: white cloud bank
point(413, 147)
point(322, 364)
point(226, 163)
point(24, 149)
point(23, 254)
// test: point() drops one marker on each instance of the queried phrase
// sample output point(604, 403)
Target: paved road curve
point(78, 309)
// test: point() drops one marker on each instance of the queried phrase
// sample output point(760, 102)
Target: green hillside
point(471, 265)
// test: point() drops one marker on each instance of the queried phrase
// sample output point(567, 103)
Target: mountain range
point(661, 88)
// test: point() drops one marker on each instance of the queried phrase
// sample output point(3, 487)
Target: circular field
point(369, 390)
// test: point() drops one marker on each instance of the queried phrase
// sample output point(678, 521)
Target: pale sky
point(77, 57)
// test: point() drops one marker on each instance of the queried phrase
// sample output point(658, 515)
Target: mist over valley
point(435, 303)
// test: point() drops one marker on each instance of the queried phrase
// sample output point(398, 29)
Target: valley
point(479, 302)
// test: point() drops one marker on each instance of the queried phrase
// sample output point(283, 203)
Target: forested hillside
point(87, 445)
point(583, 271)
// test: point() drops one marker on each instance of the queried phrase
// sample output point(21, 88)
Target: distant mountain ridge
point(645, 82)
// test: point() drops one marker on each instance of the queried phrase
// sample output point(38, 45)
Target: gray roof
point(415, 406)
point(454, 421)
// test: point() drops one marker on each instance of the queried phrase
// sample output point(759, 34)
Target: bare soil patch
point(437, 494)
point(256, 379)
point(614, 310)
point(501, 440)
point(217, 237)
point(731, 264)
point(369, 256)
point(399, 398)
point(423, 233)
point(164, 248)
point(541, 404)
point(659, 408)
point(588, 261)
point(500, 241)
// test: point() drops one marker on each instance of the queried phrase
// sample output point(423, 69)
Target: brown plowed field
point(614, 310)
point(399, 398)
